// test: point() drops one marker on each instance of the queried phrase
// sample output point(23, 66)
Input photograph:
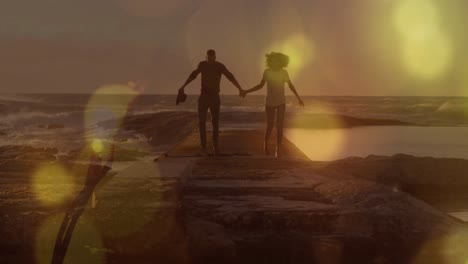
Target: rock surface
point(243, 207)
point(439, 181)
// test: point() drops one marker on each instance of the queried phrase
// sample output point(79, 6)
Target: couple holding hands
point(275, 76)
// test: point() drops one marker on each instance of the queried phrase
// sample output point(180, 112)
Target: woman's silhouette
point(275, 76)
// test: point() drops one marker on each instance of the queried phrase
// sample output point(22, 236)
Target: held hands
point(243, 93)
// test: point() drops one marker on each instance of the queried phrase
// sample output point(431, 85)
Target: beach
point(242, 207)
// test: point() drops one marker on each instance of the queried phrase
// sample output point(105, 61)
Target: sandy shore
point(241, 208)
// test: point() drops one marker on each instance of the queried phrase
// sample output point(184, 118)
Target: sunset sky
point(339, 47)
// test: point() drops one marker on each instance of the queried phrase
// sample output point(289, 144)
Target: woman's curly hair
point(280, 58)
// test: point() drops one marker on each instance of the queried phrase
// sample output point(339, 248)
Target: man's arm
point(191, 77)
point(257, 87)
point(231, 78)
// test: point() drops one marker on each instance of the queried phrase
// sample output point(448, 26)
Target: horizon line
point(233, 94)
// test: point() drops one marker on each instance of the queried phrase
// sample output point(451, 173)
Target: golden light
point(108, 104)
point(53, 185)
point(241, 39)
point(464, 81)
point(97, 145)
point(447, 248)
point(85, 246)
point(299, 49)
point(428, 58)
point(415, 17)
point(286, 35)
point(320, 135)
point(427, 52)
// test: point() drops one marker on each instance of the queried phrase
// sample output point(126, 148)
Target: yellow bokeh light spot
point(299, 49)
point(429, 58)
point(109, 102)
point(85, 246)
point(449, 247)
point(320, 135)
point(53, 185)
point(427, 52)
point(415, 16)
point(109, 105)
point(463, 81)
point(97, 145)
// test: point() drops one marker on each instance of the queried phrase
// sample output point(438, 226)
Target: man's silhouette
point(211, 72)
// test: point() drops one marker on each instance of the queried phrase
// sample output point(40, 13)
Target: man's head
point(211, 55)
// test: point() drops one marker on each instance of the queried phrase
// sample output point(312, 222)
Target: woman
point(275, 76)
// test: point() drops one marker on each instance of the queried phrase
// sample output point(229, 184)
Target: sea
point(433, 126)
point(418, 126)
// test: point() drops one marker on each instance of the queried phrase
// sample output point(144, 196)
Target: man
point(211, 72)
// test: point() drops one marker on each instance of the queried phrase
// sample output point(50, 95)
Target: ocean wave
point(174, 120)
point(298, 120)
point(452, 107)
point(242, 108)
point(308, 120)
point(22, 116)
point(19, 98)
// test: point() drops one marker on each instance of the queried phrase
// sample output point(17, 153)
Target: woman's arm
point(257, 87)
point(293, 89)
point(243, 93)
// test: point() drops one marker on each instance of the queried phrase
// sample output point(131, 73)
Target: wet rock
point(440, 181)
point(209, 241)
point(19, 152)
point(161, 128)
point(348, 219)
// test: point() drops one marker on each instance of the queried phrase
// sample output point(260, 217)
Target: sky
point(339, 47)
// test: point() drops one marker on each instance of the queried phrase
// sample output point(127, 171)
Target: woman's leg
point(270, 116)
point(280, 112)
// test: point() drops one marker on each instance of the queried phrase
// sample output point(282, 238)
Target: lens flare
point(97, 145)
point(299, 49)
point(240, 37)
point(427, 58)
point(426, 50)
point(320, 136)
point(105, 112)
point(53, 185)
point(463, 83)
point(416, 17)
point(85, 246)
point(446, 248)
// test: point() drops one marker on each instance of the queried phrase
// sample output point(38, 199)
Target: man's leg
point(270, 118)
point(215, 106)
point(202, 111)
